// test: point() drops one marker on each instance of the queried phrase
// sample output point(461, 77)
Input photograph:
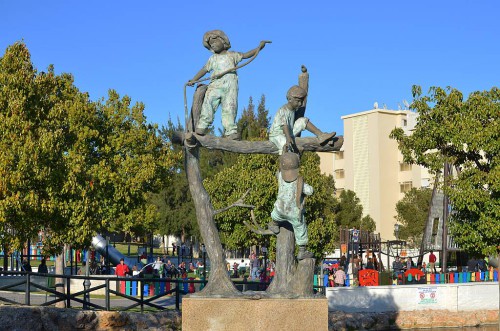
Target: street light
point(86, 282)
point(396, 233)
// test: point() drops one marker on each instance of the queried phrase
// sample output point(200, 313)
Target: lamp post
point(396, 233)
point(86, 282)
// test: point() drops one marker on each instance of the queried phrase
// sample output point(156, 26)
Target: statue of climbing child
point(223, 87)
point(285, 127)
point(289, 205)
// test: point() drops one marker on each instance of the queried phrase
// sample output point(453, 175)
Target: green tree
point(368, 224)
point(253, 125)
point(412, 212)
point(465, 134)
point(68, 165)
point(258, 173)
point(349, 213)
point(349, 210)
point(174, 203)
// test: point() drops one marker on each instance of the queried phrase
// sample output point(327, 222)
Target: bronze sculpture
point(292, 278)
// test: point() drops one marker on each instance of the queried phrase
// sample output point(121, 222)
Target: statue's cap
point(289, 166)
point(297, 92)
point(215, 33)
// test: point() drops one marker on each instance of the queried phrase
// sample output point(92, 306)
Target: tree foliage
point(69, 165)
point(174, 203)
point(465, 134)
point(368, 224)
point(349, 213)
point(412, 212)
point(253, 125)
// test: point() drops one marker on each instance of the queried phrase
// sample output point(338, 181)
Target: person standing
point(42, 268)
point(254, 263)
point(397, 266)
point(343, 260)
point(369, 264)
point(158, 266)
point(340, 277)
point(122, 269)
point(432, 262)
point(26, 265)
point(352, 272)
point(375, 262)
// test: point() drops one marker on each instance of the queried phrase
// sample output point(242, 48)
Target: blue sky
point(356, 52)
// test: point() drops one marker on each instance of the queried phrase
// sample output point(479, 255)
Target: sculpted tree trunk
point(292, 279)
point(219, 283)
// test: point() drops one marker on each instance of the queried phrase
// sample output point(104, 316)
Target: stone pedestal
point(217, 314)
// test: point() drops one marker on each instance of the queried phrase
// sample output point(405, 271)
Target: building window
point(404, 166)
point(339, 174)
point(404, 122)
point(405, 186)
point(339, 155)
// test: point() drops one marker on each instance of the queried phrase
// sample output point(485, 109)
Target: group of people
point(255, 268)
point(337, 277)
point(42, 268)
point(162, 267)
point(340, 272)
point(401, 265)
point(181, 249)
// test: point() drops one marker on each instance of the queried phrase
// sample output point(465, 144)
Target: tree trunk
point(220, 284)
point(59, 283)
point(303, 278)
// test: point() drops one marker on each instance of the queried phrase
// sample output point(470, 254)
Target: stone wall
point(21, 318)
point(423, 319)
point(459, 297)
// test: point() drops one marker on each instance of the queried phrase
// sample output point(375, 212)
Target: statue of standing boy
point(289, 205)
point(223, 87)
point(285, 128)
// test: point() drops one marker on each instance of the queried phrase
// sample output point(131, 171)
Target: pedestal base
point(218, 314)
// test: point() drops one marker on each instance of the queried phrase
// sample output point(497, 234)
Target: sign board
point(427, 295)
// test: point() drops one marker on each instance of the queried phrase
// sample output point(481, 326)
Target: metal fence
point(105, 292)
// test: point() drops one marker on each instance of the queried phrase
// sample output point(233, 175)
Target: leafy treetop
point(465, 134)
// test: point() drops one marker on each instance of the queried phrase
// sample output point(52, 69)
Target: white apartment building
point(371, 165)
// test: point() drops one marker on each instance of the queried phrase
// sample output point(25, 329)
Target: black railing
point(70, 294)
point(129, 292)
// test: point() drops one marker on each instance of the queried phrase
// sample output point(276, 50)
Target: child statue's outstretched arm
point(255, 50)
